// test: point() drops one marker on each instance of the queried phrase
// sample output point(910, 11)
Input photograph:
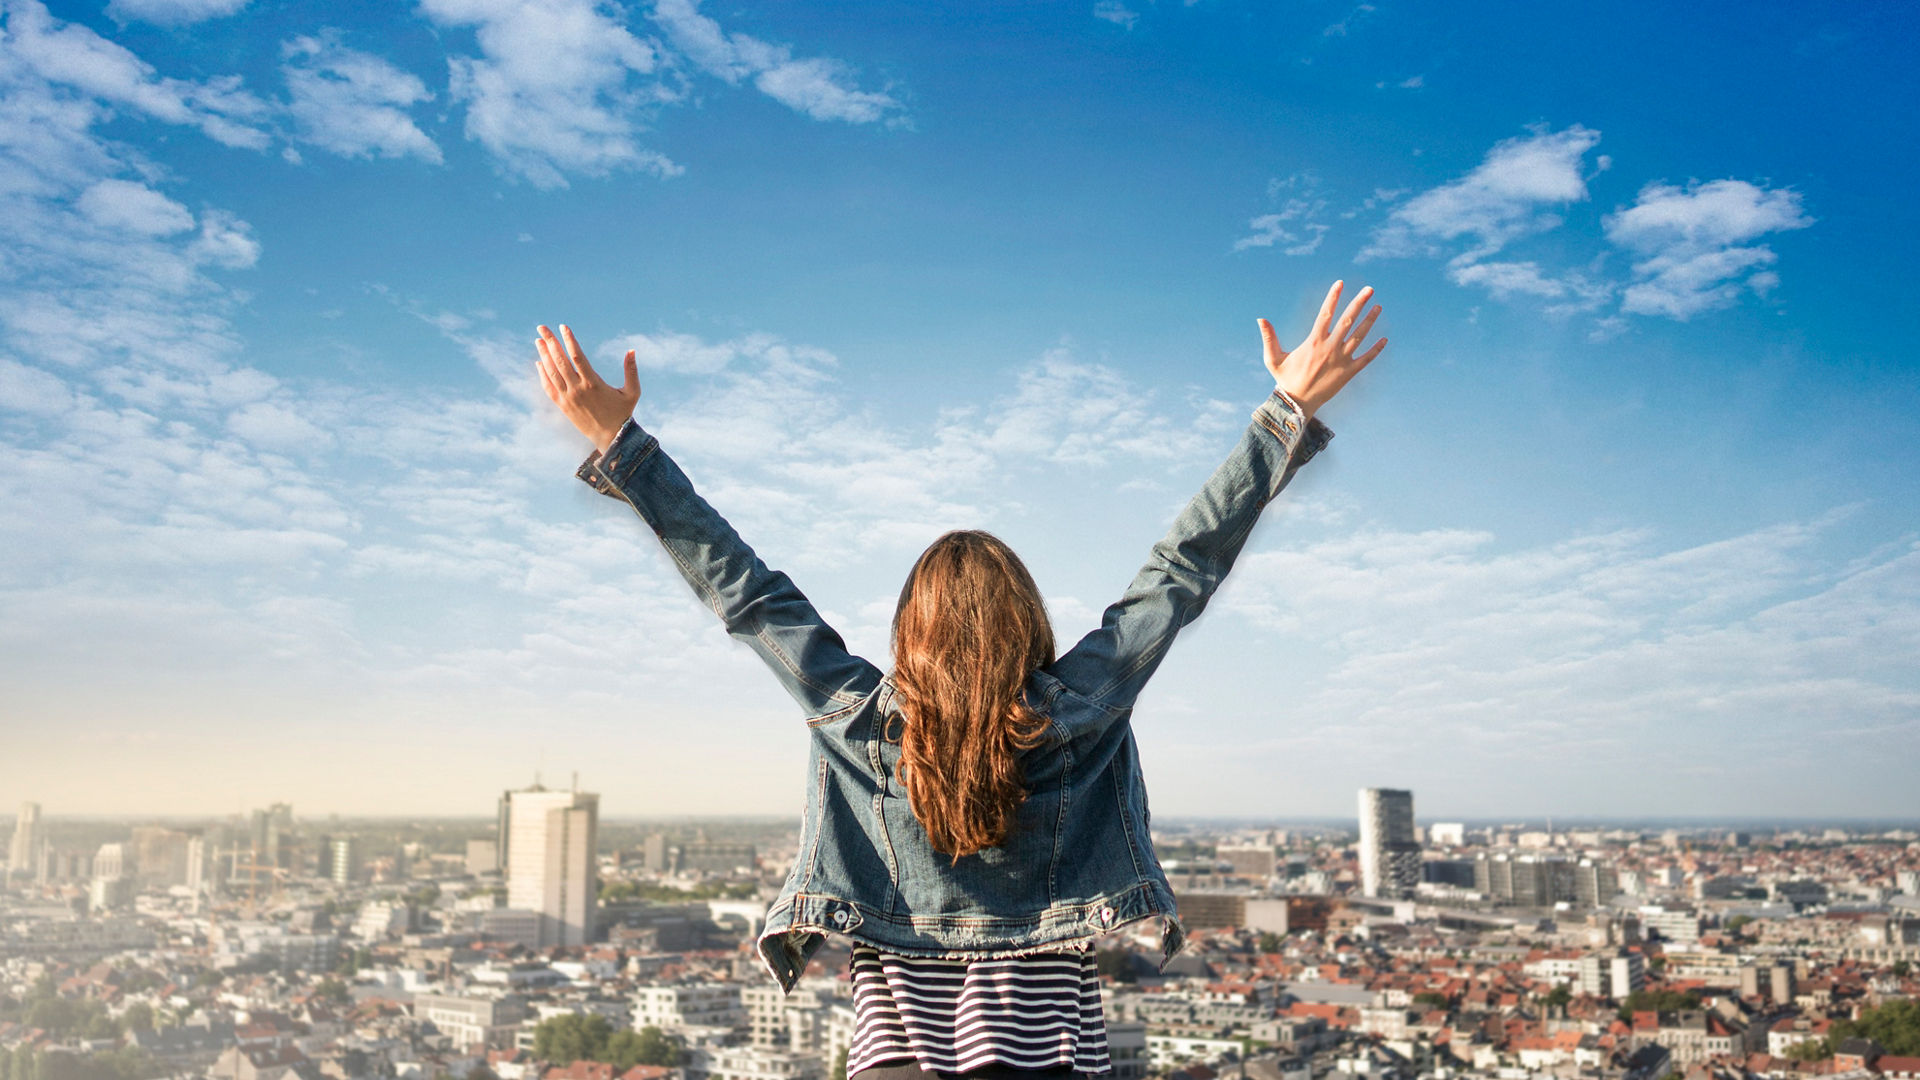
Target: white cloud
point(353, 103)
point(671, 352)
point(1292, 227)
point(1441, 643)
point(1576, 292)
point(560, 87)
point(1347, 22)
point(129, 206)
point(172, 12)
point(1694, 246)
point(72, 55)
point(1068, 411)
point(1379, 197)
point(1505, 197)
point(1694, 243)
point(1503, 279)
point(1117, 13)
point(225, 240)
point(1270, 229)
point(819, 87)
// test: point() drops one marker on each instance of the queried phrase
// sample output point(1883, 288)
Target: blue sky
point(1622, 522)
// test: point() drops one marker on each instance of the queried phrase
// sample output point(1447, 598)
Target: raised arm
point(759, 606)
point(1112, 664)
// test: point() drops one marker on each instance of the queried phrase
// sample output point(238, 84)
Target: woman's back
point(985, 802)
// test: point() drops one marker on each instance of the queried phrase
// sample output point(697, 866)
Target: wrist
point(1296, 401)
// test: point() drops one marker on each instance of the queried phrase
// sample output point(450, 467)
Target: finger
point(630, 369)
point(1367, 357)
point(1324, 320)
point(579, 356)
point(1352, 312)
point(1366, 324)
point(567, 374)
point(1272, 342)
point(546, 381)
point(561, 373)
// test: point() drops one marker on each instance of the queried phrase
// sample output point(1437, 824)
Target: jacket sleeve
point(1111, 665)
point(759, 606)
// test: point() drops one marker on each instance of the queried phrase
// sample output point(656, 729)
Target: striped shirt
point(1030, 1012)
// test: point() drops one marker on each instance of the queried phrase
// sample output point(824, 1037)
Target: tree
point(1558, 997)
point(137, 1017)
point(1269, 941)
point(651, 1046)
point(1432, 999)
point(839, 1066)
point(566, 1039)
point(1810, 1050)
point(54, 1015)
point(1657, 1001)
point(334, 991)
point(1901, 968)
point(1894, 1025)
point(1734, 924)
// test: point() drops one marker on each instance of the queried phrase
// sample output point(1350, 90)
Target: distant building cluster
point(543, 943)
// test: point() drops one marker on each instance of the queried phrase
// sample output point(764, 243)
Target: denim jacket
point(1080, 859)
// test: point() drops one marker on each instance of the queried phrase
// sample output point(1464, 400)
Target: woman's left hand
point(595, 406)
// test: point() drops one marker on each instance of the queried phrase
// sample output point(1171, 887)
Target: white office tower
point(550, 861)
point(24, 856)
point(1389, 854)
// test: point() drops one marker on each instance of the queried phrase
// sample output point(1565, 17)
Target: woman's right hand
point(597, 408)
point(1315, 370)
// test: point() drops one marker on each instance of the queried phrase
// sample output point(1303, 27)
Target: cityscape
point(539, 942)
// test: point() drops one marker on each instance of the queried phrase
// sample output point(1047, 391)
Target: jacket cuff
point(1282, 416)
point(605, 473)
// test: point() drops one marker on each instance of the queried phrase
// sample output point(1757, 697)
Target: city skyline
point(1622, 522)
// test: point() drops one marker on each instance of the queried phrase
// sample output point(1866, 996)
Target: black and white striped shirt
point(1029, 1012)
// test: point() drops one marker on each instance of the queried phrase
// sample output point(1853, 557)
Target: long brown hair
point(969, 630)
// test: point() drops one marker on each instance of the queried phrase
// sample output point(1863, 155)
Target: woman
point(976, 817)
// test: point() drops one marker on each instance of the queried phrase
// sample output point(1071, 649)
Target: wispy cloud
point(560, 87)
point(1117, 13)
point(819, 87)
point(71, 55)
point(172, 12)
point(1348, 21)
point(352, 103)
point(1293, 228)
point(1512, 193)
point(1694, 244)
point(1445, 642)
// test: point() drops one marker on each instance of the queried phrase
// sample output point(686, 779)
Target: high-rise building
point(1389, 854)
point(1612, 973)
point(198, 866)
point(1535, 880)
point(483, 857)
point(160, 855)
point(551, 837)
point(24, 856)
point(272, 833)
point(1594, 883)
point(343, 860)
